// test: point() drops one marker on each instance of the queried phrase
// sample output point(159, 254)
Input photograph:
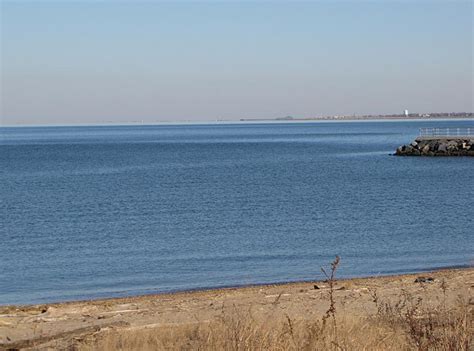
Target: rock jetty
point(438, 147)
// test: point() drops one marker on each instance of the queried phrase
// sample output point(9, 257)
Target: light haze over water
point(72, 62)
point(102, 211)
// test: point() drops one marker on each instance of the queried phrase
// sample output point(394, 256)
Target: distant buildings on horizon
point(405, 114)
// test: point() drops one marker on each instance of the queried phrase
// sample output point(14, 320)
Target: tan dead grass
point(409, 323)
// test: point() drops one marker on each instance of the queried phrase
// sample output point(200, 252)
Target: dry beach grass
point(409, 323)
point(386, 313)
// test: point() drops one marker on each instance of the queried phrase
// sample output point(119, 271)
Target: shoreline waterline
point(201, 290)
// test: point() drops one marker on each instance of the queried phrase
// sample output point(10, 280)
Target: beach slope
point(279, 315)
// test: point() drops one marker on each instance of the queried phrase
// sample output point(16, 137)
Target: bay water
point(102, 211)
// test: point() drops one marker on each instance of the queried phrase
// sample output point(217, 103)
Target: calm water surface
point(89, 212)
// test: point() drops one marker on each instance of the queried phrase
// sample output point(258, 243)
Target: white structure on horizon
point(406, 113)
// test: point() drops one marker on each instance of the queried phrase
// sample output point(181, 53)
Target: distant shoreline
point(367, 118)
point(248, 121)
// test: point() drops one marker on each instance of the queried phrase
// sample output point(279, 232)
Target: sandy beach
point(82, 323)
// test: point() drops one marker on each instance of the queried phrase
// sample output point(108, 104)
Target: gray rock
point(434, 146)
point(442, 148)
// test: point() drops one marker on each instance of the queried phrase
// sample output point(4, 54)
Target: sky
point(121, 61)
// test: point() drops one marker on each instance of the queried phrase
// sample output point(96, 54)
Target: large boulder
point(452, 146)
point(442, 148)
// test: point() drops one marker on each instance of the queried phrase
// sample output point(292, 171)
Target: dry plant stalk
point(407, 323)
point(331, 312)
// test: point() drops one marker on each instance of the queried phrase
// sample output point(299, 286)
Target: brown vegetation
point(411, 322)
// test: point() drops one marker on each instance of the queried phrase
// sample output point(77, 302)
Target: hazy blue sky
point(95, 61)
